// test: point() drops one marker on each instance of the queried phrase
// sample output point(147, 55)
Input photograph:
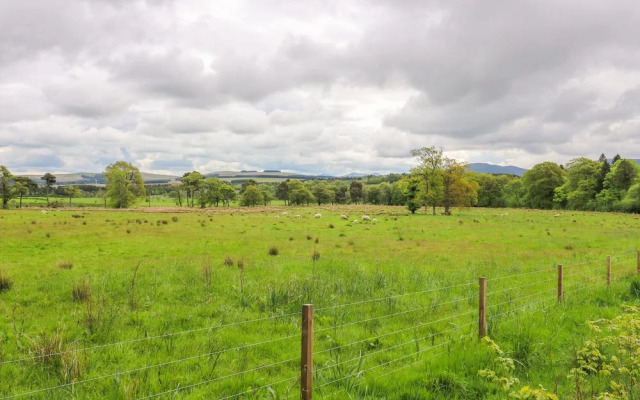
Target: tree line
point(436, 181)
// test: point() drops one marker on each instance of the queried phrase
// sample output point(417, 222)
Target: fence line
point(357, 303)
point(393, 314)
point(412, 341)
point(101, 346)
point(514, 305)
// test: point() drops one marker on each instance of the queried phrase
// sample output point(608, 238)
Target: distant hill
point(496, 169)
point(92, 178)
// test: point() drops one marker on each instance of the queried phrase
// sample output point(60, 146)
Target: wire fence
point(349, 341)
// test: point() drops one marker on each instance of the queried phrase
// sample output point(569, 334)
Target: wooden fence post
point(608, 271)
point(560, 277)
point(306, 358)
point(482, 308)
point(638, 262)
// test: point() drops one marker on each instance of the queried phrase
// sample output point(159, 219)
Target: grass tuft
point(65, 264)
point(228, 261)
point(5, 281)
point(273, 251)
point(81, 290)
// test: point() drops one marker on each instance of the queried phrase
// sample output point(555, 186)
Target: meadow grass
point(174, 292)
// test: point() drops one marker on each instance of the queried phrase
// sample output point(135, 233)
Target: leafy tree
point(457, 190)
point(249, 182)
point(323, 193)
point(49, 180)
point(282, 193)
point(356, 191)
point(72, 192)
point(373, 194)
point(489, 190)
point(251, 196)
point(209, 191)
point(191, 184)
point(604, 170)
point(267, 194)
point(340, 189)
point(299, 194)
point(228, 194)
point(514, 193)
point(541, 182)
point(386, 193)
point(581, 186)
point(7, 191)
point(622, 175)
point(24, 185)
point(411, 185)
point(124, 184)
point(430, 169)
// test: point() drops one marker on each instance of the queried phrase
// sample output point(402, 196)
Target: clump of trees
point(14, 186)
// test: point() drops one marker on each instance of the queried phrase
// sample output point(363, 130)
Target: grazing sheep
point(355, 221)
point(557, 215)
point(277, 216)
point(297, 216)
point(366, 218)
point(318, 215)
point(285, 213)
point(345, 217)
point(44, 211)
point(375, 220)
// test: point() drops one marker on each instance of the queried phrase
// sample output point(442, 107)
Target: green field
point(191, 304)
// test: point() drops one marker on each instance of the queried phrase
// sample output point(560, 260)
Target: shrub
point(5, 281)
point(273, 251)
point(65, 264)
point(82, 290)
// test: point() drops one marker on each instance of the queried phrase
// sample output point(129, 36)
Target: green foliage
point(541, 182)
point(251, 196)
point(124, 184)
point(299, 194)
point(356, 192)
point(7, 191)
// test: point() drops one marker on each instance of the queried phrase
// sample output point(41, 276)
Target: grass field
point(205, 303)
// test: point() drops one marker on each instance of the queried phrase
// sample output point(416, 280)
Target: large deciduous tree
point(541, 182)
point(251, 196)
point(49, 180)
point(124, 184)
point(7, 191)
point(429, 169)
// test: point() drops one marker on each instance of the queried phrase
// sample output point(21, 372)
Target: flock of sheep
point(365, 218)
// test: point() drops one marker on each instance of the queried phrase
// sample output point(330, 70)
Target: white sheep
point(277, 217)
point(318, 215)
point(345, 217)
point(44, 211)
point(366, 218)
point(375, 220)
point(285, 213)
point(297, 216)
point(355, 221)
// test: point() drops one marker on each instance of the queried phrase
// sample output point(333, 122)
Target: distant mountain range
point(496, 169)
point(92, 178)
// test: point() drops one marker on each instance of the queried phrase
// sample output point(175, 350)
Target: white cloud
point(314, 86)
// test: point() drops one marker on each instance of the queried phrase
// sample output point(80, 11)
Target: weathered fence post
point(638, 262)
point(560, 293)
point(306, 358)
point(608, 271)
point(482, 308)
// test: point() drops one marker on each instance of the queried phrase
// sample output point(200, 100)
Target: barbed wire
point(519, 287)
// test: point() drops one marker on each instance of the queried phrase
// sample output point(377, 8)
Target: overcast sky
point(315, 86)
